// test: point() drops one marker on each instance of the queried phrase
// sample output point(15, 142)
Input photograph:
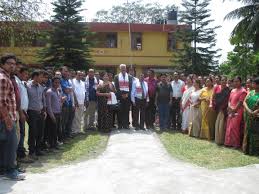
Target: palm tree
point(248, 28)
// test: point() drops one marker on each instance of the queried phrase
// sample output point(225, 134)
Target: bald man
point(123, 85)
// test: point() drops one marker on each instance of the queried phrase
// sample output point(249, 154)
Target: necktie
point(142, 87)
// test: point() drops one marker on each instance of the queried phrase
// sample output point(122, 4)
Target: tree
point(17, 19)
point(241, 61)
point(248, 28)
point(134, 12)
point(69, 38)
point(199, 42)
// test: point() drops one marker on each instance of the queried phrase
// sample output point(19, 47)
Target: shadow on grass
point(80, 148)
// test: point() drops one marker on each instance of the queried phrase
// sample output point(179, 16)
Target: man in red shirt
point(8, 117)
point(151, 108)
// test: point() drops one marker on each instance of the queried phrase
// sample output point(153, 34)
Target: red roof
point(123, 27)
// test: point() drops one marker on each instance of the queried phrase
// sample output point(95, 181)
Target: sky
point(218, 11)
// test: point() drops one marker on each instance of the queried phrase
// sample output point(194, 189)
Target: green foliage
point(69, 42)
point(17, 20)
point(199, 54)
point(242, 61)
point(134, 12)
point(247, 30)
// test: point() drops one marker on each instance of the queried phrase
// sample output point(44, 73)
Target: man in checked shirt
point(8, 117)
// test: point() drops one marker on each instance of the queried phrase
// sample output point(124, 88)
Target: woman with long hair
point(208, 114)
point(234, 128)
point(220, 104)
point(195, 111)
point(185, 104)
point(105, 116)
point(251, 105)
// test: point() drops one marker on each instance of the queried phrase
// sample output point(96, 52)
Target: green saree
point(251, 128)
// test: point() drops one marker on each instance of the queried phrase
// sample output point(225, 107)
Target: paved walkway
point(136, 163)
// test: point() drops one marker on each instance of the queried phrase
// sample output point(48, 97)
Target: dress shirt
point(53, 101)
point(177, 87)
point(7, 96)
point(36, 96)
point(136, 91)
point(23, 94)
point(79, 90)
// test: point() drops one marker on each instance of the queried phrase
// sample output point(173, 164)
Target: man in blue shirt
point(68, 106)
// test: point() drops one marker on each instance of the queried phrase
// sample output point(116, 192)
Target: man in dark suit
point(123, 85)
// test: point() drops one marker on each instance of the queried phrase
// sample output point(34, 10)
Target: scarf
point(124, 83)
point(112, 99)
point(95, 82)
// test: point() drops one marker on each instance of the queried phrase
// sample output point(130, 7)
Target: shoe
point(2, 172)
point(60, 143)
point(20, 170)
point(33, 157)
point(14, 175)
point(25, 160)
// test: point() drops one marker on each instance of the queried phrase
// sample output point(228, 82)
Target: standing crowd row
point(58, 105)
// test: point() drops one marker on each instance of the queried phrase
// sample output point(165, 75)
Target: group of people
point(59, 105)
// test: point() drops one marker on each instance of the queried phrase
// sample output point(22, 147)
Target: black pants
point(134, 111)
point(21, 149)
point(140, 113)
point(53, 129)
point(150, 113)
point(67, 119)
point(123, 116)
point(175, 113)
point(36, 127)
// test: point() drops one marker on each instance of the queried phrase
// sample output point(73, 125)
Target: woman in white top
point(185, 104)
point(195, 111)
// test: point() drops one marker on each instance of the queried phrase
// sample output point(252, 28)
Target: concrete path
point(136, 163)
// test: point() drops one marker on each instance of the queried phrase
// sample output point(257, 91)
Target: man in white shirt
point(139, 98)
point(177, 93)
point(79, 95)
point(21, 78)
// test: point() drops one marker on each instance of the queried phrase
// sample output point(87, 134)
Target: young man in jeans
point(8, 117)
point(163, 101)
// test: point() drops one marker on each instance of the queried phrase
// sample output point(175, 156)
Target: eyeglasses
point(10, 63)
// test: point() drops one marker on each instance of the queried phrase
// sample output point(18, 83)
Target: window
point(111, 40)
point(30, 41)
point(136, 41)
point(171, 43)
point(106, 40)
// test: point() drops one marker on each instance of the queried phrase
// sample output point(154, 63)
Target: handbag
point(114, 107)
point(3, 135)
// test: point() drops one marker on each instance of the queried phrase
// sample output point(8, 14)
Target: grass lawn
point(78, 149)
point(204, 153)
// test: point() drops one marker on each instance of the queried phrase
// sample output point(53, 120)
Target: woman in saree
point(220, 104)
point(185, 104)
point(195, 111)
point(207, 112)
point(234, 128)
point(251, 105)
point(105, 116)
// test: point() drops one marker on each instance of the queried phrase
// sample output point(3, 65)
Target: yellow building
point(140, 46)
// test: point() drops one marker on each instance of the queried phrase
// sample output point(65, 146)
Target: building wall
point(154, 52)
